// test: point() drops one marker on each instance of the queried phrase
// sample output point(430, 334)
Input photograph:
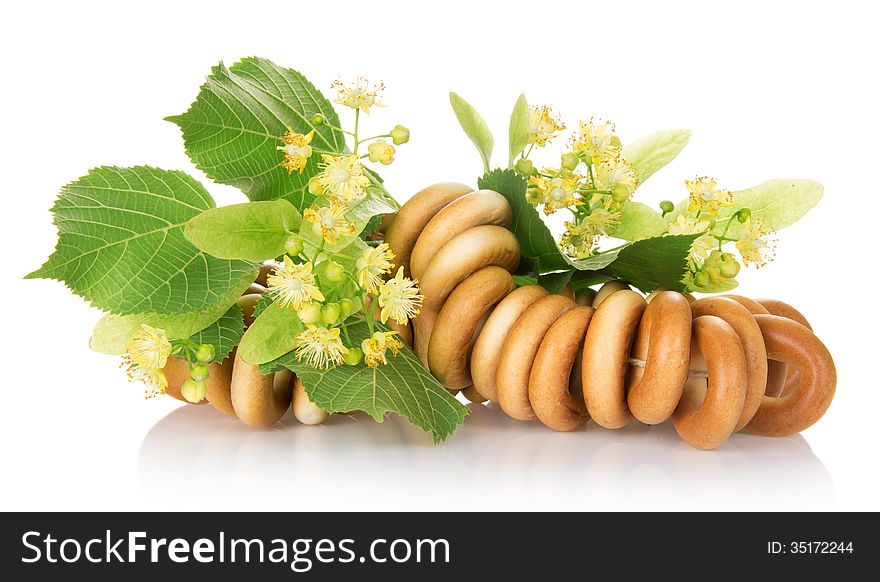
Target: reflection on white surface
point(492, 462)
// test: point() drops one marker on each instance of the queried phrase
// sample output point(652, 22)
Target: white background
point(770, 89)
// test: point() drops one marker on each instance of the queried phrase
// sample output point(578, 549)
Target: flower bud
point(310, 313)
point(318, 120)
point(399, 135)
point(729, 270)
point(315, 187)
point(743, 214)
point(334, 272)
point(702, 279)
point(293, 246)
point(205, 353)
point(381, 151)
point(525, 167)
point(667, 206)
point(347, 307)
point(194, 390)
point(330, 313)
point(199, 372)
point(354, 356)
point(570, 161)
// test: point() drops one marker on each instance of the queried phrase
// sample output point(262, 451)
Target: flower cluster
point(709, 267)
point(592, 180)
point(148, 353)
point(325, 290)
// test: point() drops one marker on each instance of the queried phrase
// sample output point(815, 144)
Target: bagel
point(474, 209)
point(487, 349)
point(457, 322)
point(303, 408)
point(549, 382)
point(606, 354)
point(478, 247)
point(663, 342)
point(412, 217)
point(519, 351)
point(259, 400)
point(423, 326)
point(783, 309)
point(710, 407)
point(607, 289)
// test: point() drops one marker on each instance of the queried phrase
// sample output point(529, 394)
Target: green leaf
point(403, 386)
point(232, 129)
point(583, 279)
point(254, 231)
point(654, 151)
point(655, 263)
point(595, 262)
point(474, 126)
point(638, 221)
point(523, 280)
point(535, 240)
point(555, 282)
point(223, 334)
point(271, 335)
point(518, 137)
point(113, 333)
point(121, 244)
point(778, 203)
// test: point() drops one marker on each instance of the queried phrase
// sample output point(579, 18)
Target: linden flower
point(543, 126)
point(601, 220)
point(376, 346)
point(293, 285)
point(578, 240)
point(153, 378)
point(360, 96)
point(297, 150)
point(684, 225)
point(320, 347)
point(372, 264)
point(557, 192)
point(330, 222)
point(754, 244)
point(342, 177)
point(381, 151)
point(399, 299)
point(149, 348)
point(707, 197)
point(597, 139)
point(618, 177)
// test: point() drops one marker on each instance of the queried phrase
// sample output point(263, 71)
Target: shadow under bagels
point(715, 365)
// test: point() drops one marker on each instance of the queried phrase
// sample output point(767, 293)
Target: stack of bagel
point(714, 366)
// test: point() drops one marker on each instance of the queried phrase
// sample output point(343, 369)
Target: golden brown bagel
point(549, 381)
point(474, 209)
point(457, 322)
point(423, 326)
point(259, 401)
point(487, 349)
point(606, 355)
point(783, 309)
point(412, 217)
point(606, 290)
point(303, 409)
point(519, 351)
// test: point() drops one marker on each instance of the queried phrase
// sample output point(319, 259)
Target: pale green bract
point(638, 221)
point(403, 386)
point(518, 134)
point(254, 231)
point(271, 335)
point(233, 128)
point(121, 244)
point(475, 127)
point(652, 152)
point(113, 333)
point(224, 334)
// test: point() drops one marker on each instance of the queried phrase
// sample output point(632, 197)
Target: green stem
point(723, 237)
point(357, 120)
point(345, 333)
point(366, 139)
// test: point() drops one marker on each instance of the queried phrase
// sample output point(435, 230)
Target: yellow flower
point(754, 244)
point(149, 348)
point(320, 347)
point(297, 150)
point(557, 191)
point(543, 126)
point(578, 240)
point(372, 264)
point(375, 347)
point(342, 177)
point(381, 151)
point(597, 139)
point(360, 96)
point(153, 378)
point(685, 225)
point(399, 299)
point(617, 176)
point(601, 220)
point(293, 285)
point(329, 222)
point(707, 197)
